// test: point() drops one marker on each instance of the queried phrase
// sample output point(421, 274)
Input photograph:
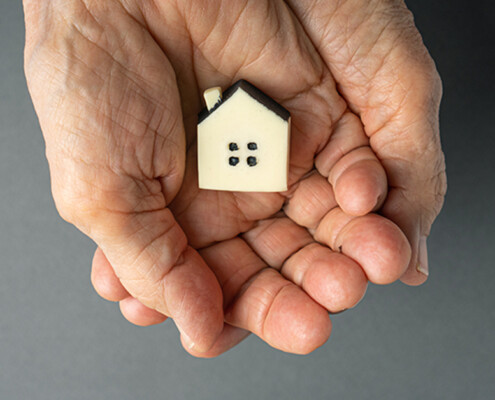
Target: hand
point(117, 86)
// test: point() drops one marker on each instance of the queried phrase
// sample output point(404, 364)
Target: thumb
point(151, 257)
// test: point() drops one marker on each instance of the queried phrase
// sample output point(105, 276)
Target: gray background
point(59, 340)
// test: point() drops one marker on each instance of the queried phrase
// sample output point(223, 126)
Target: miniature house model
point(243, 141)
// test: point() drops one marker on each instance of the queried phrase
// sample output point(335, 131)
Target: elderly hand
point(117, 86)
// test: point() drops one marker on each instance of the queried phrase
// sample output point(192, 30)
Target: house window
point(234, 161)
point(252, 161)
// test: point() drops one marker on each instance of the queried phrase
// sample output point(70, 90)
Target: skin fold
point(117, 86)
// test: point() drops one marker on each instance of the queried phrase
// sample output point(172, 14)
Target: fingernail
point(187, 340)
point(423, 257)
point(337, 312)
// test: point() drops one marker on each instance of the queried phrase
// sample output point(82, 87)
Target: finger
point(386, 75)
point(165, 274)
point(260, 300)
point(374, 242)
point(357, 176)
point(275, 240)
point(311, 199)
point(280, 313)
point(356, 179)
point(138, 314)
point(233, 264)
point(104, 280)
point(163, 277)
point(229, 338)
point(108, 286)
point(331, 279)
point(411, 222)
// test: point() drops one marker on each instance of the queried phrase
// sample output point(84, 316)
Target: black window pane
point(233, 147)
point(234, 161)
point(252, 146)
point(252, 161)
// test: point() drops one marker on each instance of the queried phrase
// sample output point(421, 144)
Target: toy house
point(243, 141)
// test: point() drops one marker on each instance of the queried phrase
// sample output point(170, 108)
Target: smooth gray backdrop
point(59, 340)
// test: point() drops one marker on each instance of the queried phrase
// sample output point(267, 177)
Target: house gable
point(254, 93)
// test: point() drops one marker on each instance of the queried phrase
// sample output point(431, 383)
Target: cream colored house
point(243, 141)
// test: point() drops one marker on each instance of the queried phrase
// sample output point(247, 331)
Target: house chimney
point(212, 97)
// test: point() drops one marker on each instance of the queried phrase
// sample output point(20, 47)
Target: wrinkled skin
point(117, 86)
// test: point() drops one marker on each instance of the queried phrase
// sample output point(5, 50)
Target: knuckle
point(76, 208)
point(429, 82)
point(65, 211)
point(81, 197)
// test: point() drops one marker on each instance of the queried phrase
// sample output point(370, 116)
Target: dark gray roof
point(255, 93)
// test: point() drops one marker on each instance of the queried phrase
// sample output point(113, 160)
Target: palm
point(207, 216)
point(239, 235)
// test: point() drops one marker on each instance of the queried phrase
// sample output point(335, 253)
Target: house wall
point(243, 120)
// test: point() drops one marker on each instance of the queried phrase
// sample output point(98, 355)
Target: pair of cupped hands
point(117, 85)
